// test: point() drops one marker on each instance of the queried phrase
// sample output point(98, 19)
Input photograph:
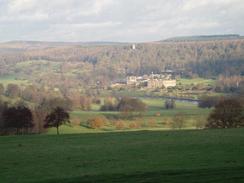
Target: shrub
point(152, 123)
point(201, 123)
point(119, 125)
point(158, 114)
point(97, 122)
point(178, 121)
point(132, 125)
point(168, 122)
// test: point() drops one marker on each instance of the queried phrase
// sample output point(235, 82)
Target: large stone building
point(160, 83)
point(152, 81)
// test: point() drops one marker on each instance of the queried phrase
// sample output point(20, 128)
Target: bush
point(134, 125)
point(157, 114)
point(201, 123)
point(97, 122)
point(178, 121)
point(152, 123)
point(119, 125)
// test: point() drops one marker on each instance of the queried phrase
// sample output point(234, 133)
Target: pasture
point(155, 118)
point(196, 81)
point(11, 79)
point(213, 156)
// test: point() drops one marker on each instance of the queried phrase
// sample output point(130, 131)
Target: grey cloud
point(117, 20)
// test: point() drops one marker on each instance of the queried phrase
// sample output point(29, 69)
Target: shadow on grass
point(223, 175)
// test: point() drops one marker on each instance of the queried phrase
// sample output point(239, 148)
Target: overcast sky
point(117, 20)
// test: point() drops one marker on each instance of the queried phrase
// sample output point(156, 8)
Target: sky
point(117, 20)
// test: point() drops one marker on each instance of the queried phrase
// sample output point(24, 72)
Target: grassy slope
point(173, 156)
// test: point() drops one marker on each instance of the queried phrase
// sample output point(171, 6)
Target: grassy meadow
point(155, 118)
point(196, 81)
point(11, 79)
point(213, 156)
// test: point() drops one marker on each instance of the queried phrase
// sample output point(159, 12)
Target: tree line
point(124, 104)
point(215, 68)
point(21, 119)
point(228, 112)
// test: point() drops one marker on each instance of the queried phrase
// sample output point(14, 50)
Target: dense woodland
point(110, 62)
point(67, 69)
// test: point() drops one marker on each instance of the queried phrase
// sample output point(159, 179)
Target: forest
point(111, 62)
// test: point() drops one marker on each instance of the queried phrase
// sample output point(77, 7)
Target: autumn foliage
point(97, 122)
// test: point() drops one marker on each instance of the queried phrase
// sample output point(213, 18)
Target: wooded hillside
point(114, 61)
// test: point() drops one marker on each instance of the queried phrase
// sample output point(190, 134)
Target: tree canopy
point(17, 117)
point(127, 104)
point(228, 113)
point(56, 118)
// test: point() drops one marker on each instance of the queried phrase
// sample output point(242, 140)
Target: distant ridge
point(41, 44)
point(31, 45)
point(20, 45)
point(203, 38)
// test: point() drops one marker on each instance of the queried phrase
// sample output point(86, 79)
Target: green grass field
point(196, 81)
point(192, 115)
point(156, 116)
point(5, 80)
point(206, 156)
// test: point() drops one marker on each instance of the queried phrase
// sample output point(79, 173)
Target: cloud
point(117, 20)
point(194, 4)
